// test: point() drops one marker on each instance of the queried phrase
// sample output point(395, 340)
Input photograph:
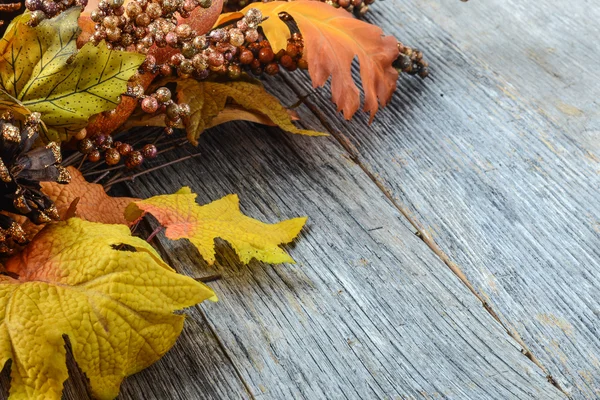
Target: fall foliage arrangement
point(81, 86)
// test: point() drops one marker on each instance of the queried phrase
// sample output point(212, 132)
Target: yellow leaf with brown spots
point(42, 68)
point(115, 306)
point(184, 218)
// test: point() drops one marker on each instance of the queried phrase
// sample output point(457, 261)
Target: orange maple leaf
point(332, 38)
point(184, 218)
point(93, 205)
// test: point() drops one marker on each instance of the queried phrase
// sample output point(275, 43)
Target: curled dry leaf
point(184, 218)
point(214, 103)
point(41, 67)
point(116, 307)
point(332, 39)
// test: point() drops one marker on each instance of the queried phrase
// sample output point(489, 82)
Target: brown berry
point(134, 159)
point(85, 146)
point(112, 157)
point(246, 57)
point(266, 55)
point(149, 105)
point(124, 149)
point(94, 156)
point(163, 94)
point(149, 151)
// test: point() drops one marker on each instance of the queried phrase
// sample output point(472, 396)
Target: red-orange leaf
point(332, 38)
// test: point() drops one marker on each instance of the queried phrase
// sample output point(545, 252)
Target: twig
point(104, 170)
point(98, 179)
point(154, 233)
point(82, 161)
point(132, 177)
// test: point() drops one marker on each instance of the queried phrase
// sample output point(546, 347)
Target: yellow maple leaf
point(42, 68)
point(184, 218)
point(116, 307)
point(214, 103)
point(332, 39)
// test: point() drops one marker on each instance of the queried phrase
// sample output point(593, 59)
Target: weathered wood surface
point(496, 159)
point(368, 312)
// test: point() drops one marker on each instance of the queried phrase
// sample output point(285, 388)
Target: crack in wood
point(354, 155)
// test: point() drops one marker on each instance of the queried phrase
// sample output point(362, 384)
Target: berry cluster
point(143, 23)
point(359, 7)
point(410, 60)
point(43, 9)
point(113, 151)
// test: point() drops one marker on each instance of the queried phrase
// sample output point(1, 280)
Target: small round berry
point(184, 110)
point(50, 8)
point(85, 146)
point(149, 63)
point(133, 9)
point(272, 69)
point(173, 111)
point(266, 55)
point(216, 59)
point(149, 105)
point(99, 139)
point(33, 5)
point(94, 156)
point(124, 149)
point(234, 71)
point(153, 10)
point(149, 151)
point(142, 19)
point(163, 94)
point(183, 31)
point(200, 62)
point(165, 70)
point(134, 159)
point(246, 57)
point(112, 157)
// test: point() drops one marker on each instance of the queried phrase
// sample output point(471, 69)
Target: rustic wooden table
point(453, 246)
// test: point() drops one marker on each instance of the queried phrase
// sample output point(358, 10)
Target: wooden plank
point(368, 312)
point(492, 162)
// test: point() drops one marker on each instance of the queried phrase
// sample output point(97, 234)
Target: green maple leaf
point(42, 69)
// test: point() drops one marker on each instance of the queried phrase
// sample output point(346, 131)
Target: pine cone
point(21, 171)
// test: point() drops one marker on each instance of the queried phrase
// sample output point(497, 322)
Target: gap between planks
point(354, 155)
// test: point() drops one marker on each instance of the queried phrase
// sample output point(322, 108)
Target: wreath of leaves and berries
point(81, 85)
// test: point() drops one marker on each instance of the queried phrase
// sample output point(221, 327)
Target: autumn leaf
point(332, 39)
point(93, 205)
point(41, 67)
point(115, 306)
point(184, 218)
point(209, 102)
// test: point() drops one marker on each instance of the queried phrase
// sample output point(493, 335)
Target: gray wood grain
point(496, 160)
point(368, 312)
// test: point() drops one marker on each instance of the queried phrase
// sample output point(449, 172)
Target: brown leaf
point(93, 204)
point(214, 103)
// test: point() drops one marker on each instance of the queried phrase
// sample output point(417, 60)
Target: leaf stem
point(154, 233)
